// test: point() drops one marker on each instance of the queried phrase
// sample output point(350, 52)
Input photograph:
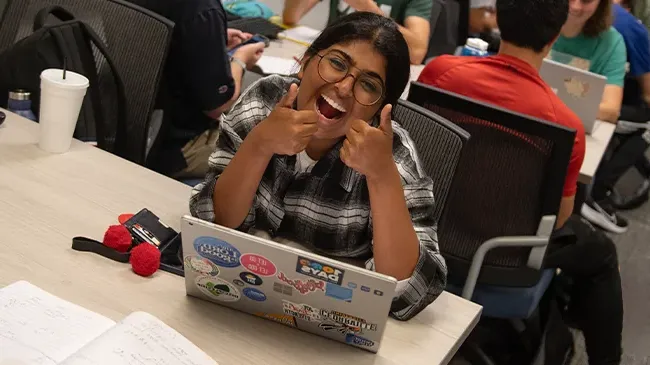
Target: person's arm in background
point(247, 56)
point(294, 10)
point(416, 28)
point(211, 80)
point(614, 70)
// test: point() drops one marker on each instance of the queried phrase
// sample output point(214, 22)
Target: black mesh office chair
point(501, 210)
point(500, 214)
point(439, 144)
point(137, 40)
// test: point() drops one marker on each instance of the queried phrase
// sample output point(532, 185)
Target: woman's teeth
point(334, 104)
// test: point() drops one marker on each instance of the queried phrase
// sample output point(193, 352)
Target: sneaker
point(603, 214)
point(635, 200)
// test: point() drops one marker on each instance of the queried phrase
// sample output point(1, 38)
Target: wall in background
point(316, 18)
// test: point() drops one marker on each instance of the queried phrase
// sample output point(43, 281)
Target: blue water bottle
point(475, 47)
point(20, 103)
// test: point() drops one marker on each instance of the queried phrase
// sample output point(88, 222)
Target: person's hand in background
point(237, 37)
point(249, 53)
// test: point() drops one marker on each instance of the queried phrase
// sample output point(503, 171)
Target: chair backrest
point(511, 173)
point(449, 24)
point(137, 40)
point(439, 144)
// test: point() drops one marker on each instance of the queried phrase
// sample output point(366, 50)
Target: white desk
point(596, 144)
point(45, 200)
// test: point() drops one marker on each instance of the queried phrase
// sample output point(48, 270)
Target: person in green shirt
point(588, 35)
point(412, 17)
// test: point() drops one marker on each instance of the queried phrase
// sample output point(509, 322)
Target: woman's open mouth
point(329, 110)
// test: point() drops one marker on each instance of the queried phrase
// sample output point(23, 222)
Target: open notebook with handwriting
point(39, 328)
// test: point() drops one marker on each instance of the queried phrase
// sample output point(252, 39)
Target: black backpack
point(69, 43)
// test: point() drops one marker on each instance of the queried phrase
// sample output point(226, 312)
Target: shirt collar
point(331, 166)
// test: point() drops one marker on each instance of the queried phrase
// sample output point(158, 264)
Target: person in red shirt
point(511, 80)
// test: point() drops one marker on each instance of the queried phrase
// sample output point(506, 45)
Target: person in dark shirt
point(200, 82)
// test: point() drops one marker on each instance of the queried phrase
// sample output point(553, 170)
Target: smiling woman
point(323, 164)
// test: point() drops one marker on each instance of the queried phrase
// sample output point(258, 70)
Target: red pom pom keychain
point(118, 238)
point(145, 259)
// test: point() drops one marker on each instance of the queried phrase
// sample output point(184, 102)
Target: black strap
point(89, 245)
point(42, 15)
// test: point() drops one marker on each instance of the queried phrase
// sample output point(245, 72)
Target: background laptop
point(580, 90)
point(286, 285)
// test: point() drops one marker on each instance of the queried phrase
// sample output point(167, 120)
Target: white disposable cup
point(61, 101)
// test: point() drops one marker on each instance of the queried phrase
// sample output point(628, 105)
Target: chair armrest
point(537, 242)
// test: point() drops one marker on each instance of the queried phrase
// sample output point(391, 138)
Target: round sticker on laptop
point(201, 265)
point(218, 289)
point(219, 252)
point(254, 294)
point(257, 264)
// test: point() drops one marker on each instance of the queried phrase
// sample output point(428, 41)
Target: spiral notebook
point(41, 329)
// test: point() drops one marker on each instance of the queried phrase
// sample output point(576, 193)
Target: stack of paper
point(277, 65)
point(301, 34)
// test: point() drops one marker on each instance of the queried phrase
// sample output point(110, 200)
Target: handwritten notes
point(140, 339)
point(37, 328)
point(51, 328)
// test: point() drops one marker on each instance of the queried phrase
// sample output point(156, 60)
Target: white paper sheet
point(36, 327)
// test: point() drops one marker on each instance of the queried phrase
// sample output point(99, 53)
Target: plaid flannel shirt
point(328, 208)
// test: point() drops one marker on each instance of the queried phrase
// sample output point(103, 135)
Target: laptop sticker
point(319, 270)
point(378, 293)
point(238, 282)
point(217, 288)
point(576, 88)
point(358, 340)
point(347, 319)
point(283, 289)
point(257, 264)
point(201, 265)
point(219, 252)
point(352, 285)
point(301, 311)
point(254, 294)
point(338, 292)
point(365, 288)
point(338, 327)
point(303, 286)
point(279, 318)
point(250, 278)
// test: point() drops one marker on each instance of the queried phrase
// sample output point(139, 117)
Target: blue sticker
point(352, 285)
point(351, 338)
point(220, 252)
point(250, 278)
point(365, 288)
point(338, 292)
point(254, 294)
point(378, 293)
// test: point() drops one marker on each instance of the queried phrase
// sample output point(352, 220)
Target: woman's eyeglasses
point(333, 67)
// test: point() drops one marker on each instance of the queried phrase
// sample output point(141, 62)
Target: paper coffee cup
point(61, 101)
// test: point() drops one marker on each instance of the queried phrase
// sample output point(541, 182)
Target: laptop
point(580, 90)
point(286, 285)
